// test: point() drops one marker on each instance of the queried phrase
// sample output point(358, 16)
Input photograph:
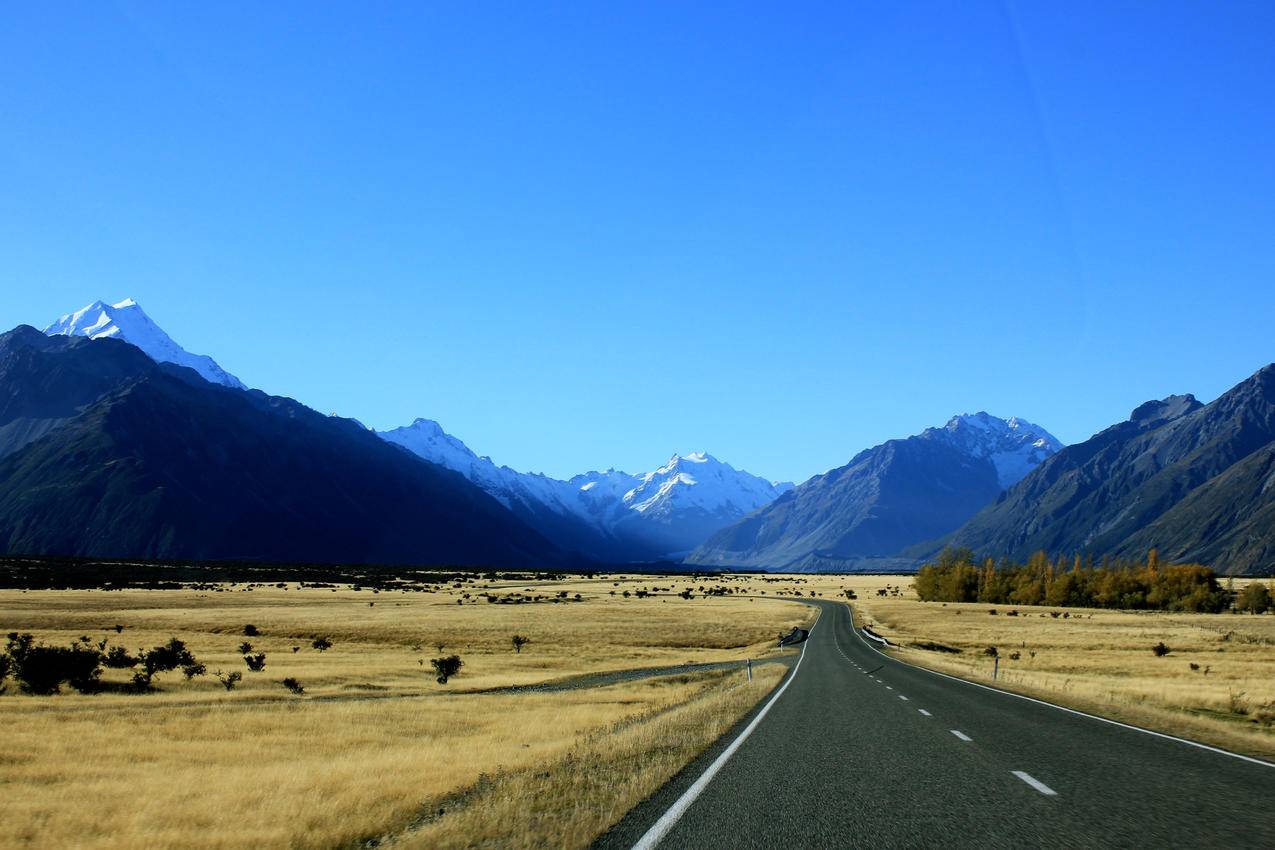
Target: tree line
point(957, 576)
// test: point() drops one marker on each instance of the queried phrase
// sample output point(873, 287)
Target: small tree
point(322, 644)
point(1255, 599)
point(256, 663)
point(1160, 649)
point(229, 680)
point(250, 630)
point(519, 642)
point(446, 667)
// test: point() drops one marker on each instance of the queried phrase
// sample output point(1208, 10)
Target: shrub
point(293, 685)
point(6, 664)
point(167, 657)
point(1255, 599)
point(117, 658)
point(322, 644)
point(991, 652)
point(42, 669)
point(519, 642)
point(250, 630)
point(245, 648)
point(1161, 650)
point(193, 669)
point(447, 667)
point(256, 663)
point(229, 680)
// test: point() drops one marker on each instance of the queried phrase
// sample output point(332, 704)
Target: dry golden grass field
point(376, 751)
point(1216, 685)
point(375, 748)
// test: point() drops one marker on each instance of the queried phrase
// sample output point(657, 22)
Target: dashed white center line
point(926, 713)
point(902, 697)
point(1035, 783)
point(958, 733)
point(888, 688)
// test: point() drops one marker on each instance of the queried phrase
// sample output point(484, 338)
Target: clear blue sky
point(591, 235)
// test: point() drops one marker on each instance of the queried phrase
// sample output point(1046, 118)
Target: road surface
point(861, 750)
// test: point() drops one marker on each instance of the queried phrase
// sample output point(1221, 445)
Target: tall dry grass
point(375, 741)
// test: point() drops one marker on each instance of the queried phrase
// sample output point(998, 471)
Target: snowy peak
point(427, 439)
point(656, 514)
point(127, 321)
point(1015, 446)
point(699, 481)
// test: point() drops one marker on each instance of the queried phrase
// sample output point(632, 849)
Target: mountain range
point(1194, 481)
point(887, 498)
point(612, 515)
point(609, 517)
point(116, 441)
point(105, 452)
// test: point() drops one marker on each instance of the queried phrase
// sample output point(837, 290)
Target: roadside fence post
point(996, 667)
point(750, 669)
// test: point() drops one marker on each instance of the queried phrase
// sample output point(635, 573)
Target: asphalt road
point(861, 750)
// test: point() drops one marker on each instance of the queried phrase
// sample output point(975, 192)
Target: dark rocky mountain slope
point(104, 452)
point(1194, 481)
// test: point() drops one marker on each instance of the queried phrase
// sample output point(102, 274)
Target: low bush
point(1161, 649)
point(250, 630)
point(229, 680)
point(42, 670)
point(322, 644)
point(117, 658)
point(256, 663)
point(447, 667)
point(293, 685)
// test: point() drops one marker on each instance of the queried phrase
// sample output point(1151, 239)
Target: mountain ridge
point(153, 461)
point(1189, 479)
point(886, 498)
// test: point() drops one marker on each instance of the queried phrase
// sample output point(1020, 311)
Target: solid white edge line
point(958, 733)
point(669, 819)
point(1074, 711)
point(1035, 783)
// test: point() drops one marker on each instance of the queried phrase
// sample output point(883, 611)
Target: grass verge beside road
point(374, 749)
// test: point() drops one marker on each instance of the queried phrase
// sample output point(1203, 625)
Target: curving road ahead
point(857, 749)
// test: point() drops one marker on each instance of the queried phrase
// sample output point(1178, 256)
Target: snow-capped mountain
point(1014, 446)
point(698, 481)
point(611, 515)
point(127, 321)
point(886, 499)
